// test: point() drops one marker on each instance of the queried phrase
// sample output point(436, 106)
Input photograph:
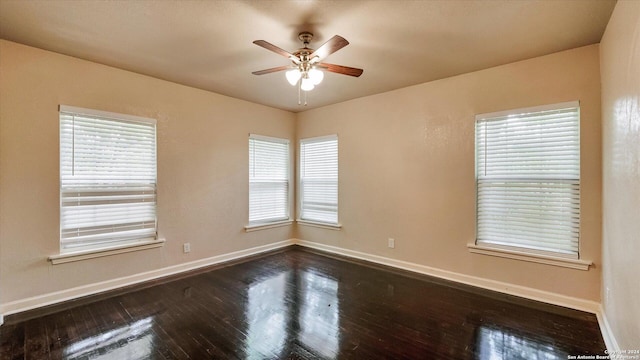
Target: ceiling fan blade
point(271, 70)
point(332, 45)
point(344, 70)
point(277, 50)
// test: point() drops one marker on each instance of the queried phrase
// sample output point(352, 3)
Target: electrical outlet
point(392, 243)
point(608, 295)
point(186, 247)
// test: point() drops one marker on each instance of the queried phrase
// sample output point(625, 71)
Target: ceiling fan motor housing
point(305, 37)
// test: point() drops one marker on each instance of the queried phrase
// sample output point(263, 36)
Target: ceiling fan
point(306, 63)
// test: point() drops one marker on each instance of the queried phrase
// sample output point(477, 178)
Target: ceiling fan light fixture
point(306, 84)
point(316, 76)
point(293, 76)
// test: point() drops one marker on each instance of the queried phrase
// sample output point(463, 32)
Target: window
point(319, 179)
point(107, 179)
point(528, 179)
point(268, 179)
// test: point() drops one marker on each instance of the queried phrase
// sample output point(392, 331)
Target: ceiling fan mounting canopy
point(305, 37)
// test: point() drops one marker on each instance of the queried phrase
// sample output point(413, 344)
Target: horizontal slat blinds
point(319, 179)
point(107, 179)
point(528, 179)
point(268, 179)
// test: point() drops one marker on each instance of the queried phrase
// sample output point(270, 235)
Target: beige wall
point(202, 167)
point(620, 71)
point(407, 168)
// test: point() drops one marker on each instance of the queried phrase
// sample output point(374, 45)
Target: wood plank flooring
point(300, 304)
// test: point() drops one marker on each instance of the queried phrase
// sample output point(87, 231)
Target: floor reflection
point(498, 344)
point(319, 315)
point(293, 309)
point(267, 317)
point(132, 342)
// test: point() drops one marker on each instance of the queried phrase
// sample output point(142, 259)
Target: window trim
point(270, 225)
point(574, 261)
point(310, 222)
point(519, 254)
point(106, 114)
point(318, 224)
point(273, 223)
point(547, 107)
point(87, 252)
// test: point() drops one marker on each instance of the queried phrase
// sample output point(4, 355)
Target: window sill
point(100, 252)
point(525, 256)
point(320, 224)
point(263, 226)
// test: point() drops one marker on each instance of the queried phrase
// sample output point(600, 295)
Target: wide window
point(268, 179)
point(107, 179)
point(319, 179)
point(528, 179)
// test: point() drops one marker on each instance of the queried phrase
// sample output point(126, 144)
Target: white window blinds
point(319, 179)
point(107, 179)
point(528, 179)
point(268, 179)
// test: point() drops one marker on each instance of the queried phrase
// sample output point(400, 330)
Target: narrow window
point(319, 179)
point(268, 179)
point(107, 179)
point(528, 179)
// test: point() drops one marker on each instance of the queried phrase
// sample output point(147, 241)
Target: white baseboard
point(607, 334)
point(91, 289)
point(517, 290)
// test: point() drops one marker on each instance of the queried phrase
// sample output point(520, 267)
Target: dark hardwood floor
point(298, 304)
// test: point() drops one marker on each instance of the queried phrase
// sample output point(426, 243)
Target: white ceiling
point(208, 44)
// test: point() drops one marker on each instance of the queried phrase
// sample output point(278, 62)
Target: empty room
point(319, 179)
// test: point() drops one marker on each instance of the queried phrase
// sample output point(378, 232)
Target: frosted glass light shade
point(316, 76)
point(293, 76)
point(307, 84)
